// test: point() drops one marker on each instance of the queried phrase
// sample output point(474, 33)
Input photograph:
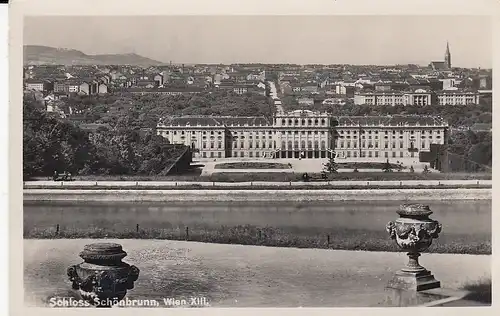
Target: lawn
point(349, 225)
point(252, 165)
point(366, 165)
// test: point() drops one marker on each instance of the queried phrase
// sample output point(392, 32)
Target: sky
point(381, 40)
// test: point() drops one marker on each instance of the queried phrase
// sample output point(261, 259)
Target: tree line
point(54, 144)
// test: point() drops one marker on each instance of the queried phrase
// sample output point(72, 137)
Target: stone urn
point(102, 279)
point(413, 232)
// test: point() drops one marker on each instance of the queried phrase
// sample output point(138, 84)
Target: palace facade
point(305, 134)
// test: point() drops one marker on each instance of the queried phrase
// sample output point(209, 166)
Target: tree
point(387, 166)
point(426, 170)
point(331, 166)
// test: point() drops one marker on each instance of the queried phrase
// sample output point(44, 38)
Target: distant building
point(416, 96)
point(38, 85)
point(443, 65)
point(306, 134)
point(457, 97)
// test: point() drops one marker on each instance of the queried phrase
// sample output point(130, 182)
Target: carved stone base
point(407, 288)
point(413, 281)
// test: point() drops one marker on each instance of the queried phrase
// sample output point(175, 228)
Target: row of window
point(303, 132)
point(236, 154)
point(386, 132)
point(295, 145)
point(310, 122)
point(374, 145)
point(373, 154)
point(257, 145)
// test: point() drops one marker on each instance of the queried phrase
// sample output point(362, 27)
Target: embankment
point(133, 195)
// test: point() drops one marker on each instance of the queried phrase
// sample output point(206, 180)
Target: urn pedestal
point(413, 232)
point(102, 279)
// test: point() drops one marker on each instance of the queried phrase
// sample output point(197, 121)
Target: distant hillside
point(42, 55)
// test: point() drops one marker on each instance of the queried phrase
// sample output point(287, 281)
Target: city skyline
point(375, 40)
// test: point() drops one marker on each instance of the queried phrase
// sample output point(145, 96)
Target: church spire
point(447, 56)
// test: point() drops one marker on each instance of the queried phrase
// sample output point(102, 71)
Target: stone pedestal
point(413, 232)
point(102, 279)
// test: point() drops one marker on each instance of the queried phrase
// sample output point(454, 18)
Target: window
point(219, 145)
point(242, 145)
point(341, 144)
point(400, 154)
point(323, 144)
point(401, 144)
point(212, 132)
point(257, 155)
point(296, 144)
point(303, 144)
point(242, 154)
point(393, 144)
point(348, 144)
point(316, 144)
point(204, 155)
point(212, 154)
point(219, 154)
point(355, 154)
point(204, 145)
point(393, 154)
point(211, 145)
point(386, 154)
point(423, 144)
point(250, 144)
point(369, 154)
point(235, 145)
point(376, 154)
point(256, 144)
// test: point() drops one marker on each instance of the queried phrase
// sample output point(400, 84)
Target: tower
point(447, 56)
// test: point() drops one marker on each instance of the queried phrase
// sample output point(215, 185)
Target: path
point(247, 276)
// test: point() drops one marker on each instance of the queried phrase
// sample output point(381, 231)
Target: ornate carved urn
point(103, 279)
point(414, 232)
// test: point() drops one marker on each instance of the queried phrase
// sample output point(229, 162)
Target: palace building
point(305, 134)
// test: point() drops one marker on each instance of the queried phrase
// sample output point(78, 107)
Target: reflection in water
point(461, 217)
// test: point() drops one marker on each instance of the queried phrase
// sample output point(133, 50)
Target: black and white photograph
point(249, 161)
